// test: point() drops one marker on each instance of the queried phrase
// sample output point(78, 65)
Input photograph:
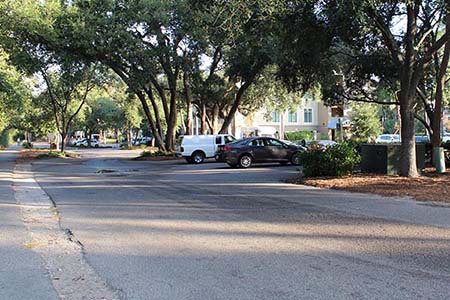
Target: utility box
point(385, 158)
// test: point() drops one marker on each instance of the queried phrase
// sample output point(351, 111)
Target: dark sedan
point(259, 150)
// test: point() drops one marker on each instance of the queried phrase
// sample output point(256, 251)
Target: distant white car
point(446, 137)
point(317, 143)
point(142, 140)
point(326, 143)
point(84, 143)
point(388, 139)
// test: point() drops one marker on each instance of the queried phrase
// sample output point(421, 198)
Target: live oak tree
point(29, 36)
point(158, 48)
point(373, 44)
point(14, 94)
point(366, 122)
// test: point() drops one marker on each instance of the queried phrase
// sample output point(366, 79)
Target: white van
point(195, 148)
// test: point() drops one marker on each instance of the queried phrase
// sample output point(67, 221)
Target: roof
point(345, 121)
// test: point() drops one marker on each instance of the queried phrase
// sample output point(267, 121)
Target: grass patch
point(56, 154)
point(133, 147)
point(155, 155)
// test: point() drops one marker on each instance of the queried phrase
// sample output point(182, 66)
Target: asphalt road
point(169, 230)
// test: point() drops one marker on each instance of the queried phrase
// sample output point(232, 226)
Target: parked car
point(319, 143)
point(142, 140)
point(245, 152)
point(195, 148)
point(422, 139)
point(77, 142)
point(388, 139)
point(84, 143)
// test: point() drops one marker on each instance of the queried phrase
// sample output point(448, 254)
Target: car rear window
point(229, 139)
point(240, 142)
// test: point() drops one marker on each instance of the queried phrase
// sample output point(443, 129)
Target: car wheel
point(198, 157)
point(296, 158)
point(96, 146)
point(283, 163)
point(188, 159)
point(245, 161)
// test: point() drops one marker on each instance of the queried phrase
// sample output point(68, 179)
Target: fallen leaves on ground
point(31, 154)
point(429, 187)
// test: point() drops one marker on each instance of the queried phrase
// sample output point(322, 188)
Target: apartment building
point(310, 115)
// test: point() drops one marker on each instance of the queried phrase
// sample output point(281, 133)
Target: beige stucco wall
point(320, 120)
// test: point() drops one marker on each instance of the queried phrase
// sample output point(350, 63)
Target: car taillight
point(227, 148)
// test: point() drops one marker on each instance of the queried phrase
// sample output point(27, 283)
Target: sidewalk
point(22, 271)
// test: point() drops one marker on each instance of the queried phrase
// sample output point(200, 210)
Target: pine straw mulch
point(429, 187)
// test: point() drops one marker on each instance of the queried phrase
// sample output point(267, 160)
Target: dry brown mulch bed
point(429, 187)
point(31, 154)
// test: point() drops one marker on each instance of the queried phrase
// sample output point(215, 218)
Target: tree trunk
point(438, 159)
point(172, 121)
point(204, 125)
point(63, 141)
point(236, 104)
point(156, 134)
point(155, 110)
point(215, 119)
point(408, 165)
point(189, 117)
point(440, 85)
point(408, 83)
point(137, 134)
point(187, 95)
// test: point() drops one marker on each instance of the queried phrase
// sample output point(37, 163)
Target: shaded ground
point(429, 187)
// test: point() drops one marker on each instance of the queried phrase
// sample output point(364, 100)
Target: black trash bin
point(385, 158)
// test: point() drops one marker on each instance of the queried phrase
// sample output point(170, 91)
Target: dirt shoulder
point(429, 187)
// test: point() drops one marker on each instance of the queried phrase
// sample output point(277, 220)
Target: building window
point(308, 115)
point(275, 117)
point(292, 117)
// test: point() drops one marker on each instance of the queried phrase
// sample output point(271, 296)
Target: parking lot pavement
point(22, 272)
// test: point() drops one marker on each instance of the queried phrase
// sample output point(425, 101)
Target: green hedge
point(446, 145)
point(27, 145)
point(4, 138)
point(338, 160)
point(299, 135)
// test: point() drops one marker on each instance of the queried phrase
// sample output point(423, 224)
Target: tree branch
point(388, 37)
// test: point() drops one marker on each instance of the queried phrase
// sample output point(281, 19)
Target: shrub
point(5, 138)
point(299, 135)
point(338, 160)
point(53, 154)
point(446, 145)
point(27, 145)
